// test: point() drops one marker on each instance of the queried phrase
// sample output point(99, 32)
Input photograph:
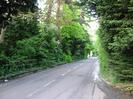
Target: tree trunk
point(2, 35)
point(68, 1)
point(58, 16)
point(50, 6)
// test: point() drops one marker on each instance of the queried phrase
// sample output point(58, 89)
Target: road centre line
point(49, 83)
point(71, 70)
point(66, 72)
point(37, 90)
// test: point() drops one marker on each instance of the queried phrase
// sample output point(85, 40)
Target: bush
point(116, 37)
point(67, 58)
point(75, 40)
point(21, 27)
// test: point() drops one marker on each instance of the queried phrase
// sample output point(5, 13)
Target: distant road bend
point(77, 80)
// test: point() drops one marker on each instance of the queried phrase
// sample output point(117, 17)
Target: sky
point(41, 4)
point(92, 28)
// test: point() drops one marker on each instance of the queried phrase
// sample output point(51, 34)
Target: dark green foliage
point(42, 46)
point(21, 27)
point(116, 35)
point(30, 44)
point(8, 8)
point(43, 50)
point(39, 51)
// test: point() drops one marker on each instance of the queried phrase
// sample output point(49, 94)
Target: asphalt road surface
point(77, 80)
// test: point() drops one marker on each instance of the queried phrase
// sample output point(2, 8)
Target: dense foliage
point(8, 8)
point(21, 27)
point(31, 44)
point(116, 35)
point(75, 40)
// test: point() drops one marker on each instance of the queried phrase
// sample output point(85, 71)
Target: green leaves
point(31, 44)
point(21, 27)
point(9, 8)
point(75, 40)
point(74, 30)
point(116, 36)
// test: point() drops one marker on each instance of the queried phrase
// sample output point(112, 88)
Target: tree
point(20, 27)
point(9, 8)
point(75, 40)
point(116, 34)
point(68, 1)
point(49, 11)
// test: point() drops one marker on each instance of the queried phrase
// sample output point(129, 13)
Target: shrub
point(75, 40)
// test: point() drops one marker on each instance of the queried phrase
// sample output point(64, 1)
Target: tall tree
point(116, 34)
point(58, 13)
point(58, 17)
point(49, 11)
point(68, 1)
point(9, 8)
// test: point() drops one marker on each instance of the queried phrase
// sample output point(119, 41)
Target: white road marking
point(36, 91)
point(71, 70)
point(78, 66)
point(62, 74)
point(49, 83)
point(66, 72)
point(5, 80)
point(31, 94)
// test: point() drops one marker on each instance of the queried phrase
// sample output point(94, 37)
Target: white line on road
point(71, 70)
point(78, 66)
point(45, 85)
point(31, 94)
point(63, 74)
point(49, 83)
point(66, 72)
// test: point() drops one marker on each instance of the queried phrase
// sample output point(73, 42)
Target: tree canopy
point(8, 8)
point(39, 39)
point(116, 34)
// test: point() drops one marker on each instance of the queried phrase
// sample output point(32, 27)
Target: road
point(77, 80)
